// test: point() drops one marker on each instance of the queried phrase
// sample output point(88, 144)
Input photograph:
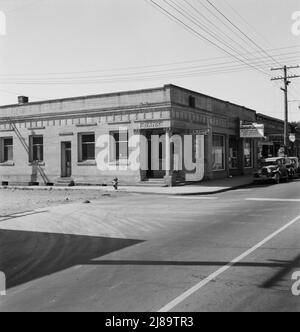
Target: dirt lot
point(16, 200)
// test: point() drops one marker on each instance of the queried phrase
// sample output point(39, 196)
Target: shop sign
point(204, 132)
point(152, 125)
point(253, 130)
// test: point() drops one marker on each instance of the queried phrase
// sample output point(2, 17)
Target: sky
point(64, 48)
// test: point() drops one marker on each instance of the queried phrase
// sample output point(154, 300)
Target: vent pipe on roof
point(23, 100)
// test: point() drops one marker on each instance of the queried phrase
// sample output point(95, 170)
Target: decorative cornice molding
point(36, 128)
point(87, 125)
point(88, 113)
point(66, 134)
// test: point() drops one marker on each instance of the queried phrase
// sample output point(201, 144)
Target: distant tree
point(295, 124)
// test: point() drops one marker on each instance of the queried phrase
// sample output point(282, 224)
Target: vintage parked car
point(291, 168)
point(273, 169)
point(296, 165)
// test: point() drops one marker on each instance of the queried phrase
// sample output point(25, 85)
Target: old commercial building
point(272, 144)
point(57, 140)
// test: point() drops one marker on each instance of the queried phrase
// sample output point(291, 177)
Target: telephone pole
point(285, 78)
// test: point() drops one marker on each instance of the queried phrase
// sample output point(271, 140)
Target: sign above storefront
point(253, 130)
point(152, 124)
point(204, 132)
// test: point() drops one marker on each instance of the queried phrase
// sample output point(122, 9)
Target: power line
point(244, 34)
point(220, 31)
point(201, 36)
point(201, 60)
point(206, 30)
point(247, 23)
point(229, 66)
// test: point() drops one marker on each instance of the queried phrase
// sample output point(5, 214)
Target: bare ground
point(17, 200)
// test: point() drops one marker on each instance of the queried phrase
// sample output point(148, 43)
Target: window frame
point(230, 157)
point(251, 152)
point(192, 102)
point(3, 160)
point(223, 152)
point(114, 147)
point(80, 147)
point(31, 149)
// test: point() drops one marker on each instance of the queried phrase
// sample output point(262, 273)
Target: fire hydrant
point(115, 183)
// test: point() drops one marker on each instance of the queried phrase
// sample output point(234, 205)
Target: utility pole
point(286, 81)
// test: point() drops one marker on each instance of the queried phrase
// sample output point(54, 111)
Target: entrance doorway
point(155, 172)
point(66, 159)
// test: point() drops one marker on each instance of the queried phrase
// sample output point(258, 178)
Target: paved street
point(233, 251)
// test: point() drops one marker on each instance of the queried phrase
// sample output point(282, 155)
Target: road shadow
point(184, 263)
point(288, 267)
point(261, 184)
point(284, 267)
point(270, 183)
point(26, 256)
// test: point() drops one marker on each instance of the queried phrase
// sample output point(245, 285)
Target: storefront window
point(86, 147)
point(218, 153)
point(233, 153)
point(7, 154)
point(248, 153)
point(36, 148)
point(119, 146)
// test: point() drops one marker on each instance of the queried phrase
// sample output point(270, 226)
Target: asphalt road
point(234, 251)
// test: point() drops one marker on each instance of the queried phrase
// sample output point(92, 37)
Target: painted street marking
point(193, 198)
point(214, 275)
point(273, 199)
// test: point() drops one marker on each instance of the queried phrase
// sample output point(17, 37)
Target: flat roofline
point(120, 93)
point(269, 117)
point(214, 98)
point(109, 94)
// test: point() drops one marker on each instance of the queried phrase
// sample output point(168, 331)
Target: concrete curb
point(129, 191)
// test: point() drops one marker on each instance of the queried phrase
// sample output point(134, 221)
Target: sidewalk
point(203, 188)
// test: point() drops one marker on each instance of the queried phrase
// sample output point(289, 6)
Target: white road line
point(273, 199)
point(214, 275)
point(197, 198)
